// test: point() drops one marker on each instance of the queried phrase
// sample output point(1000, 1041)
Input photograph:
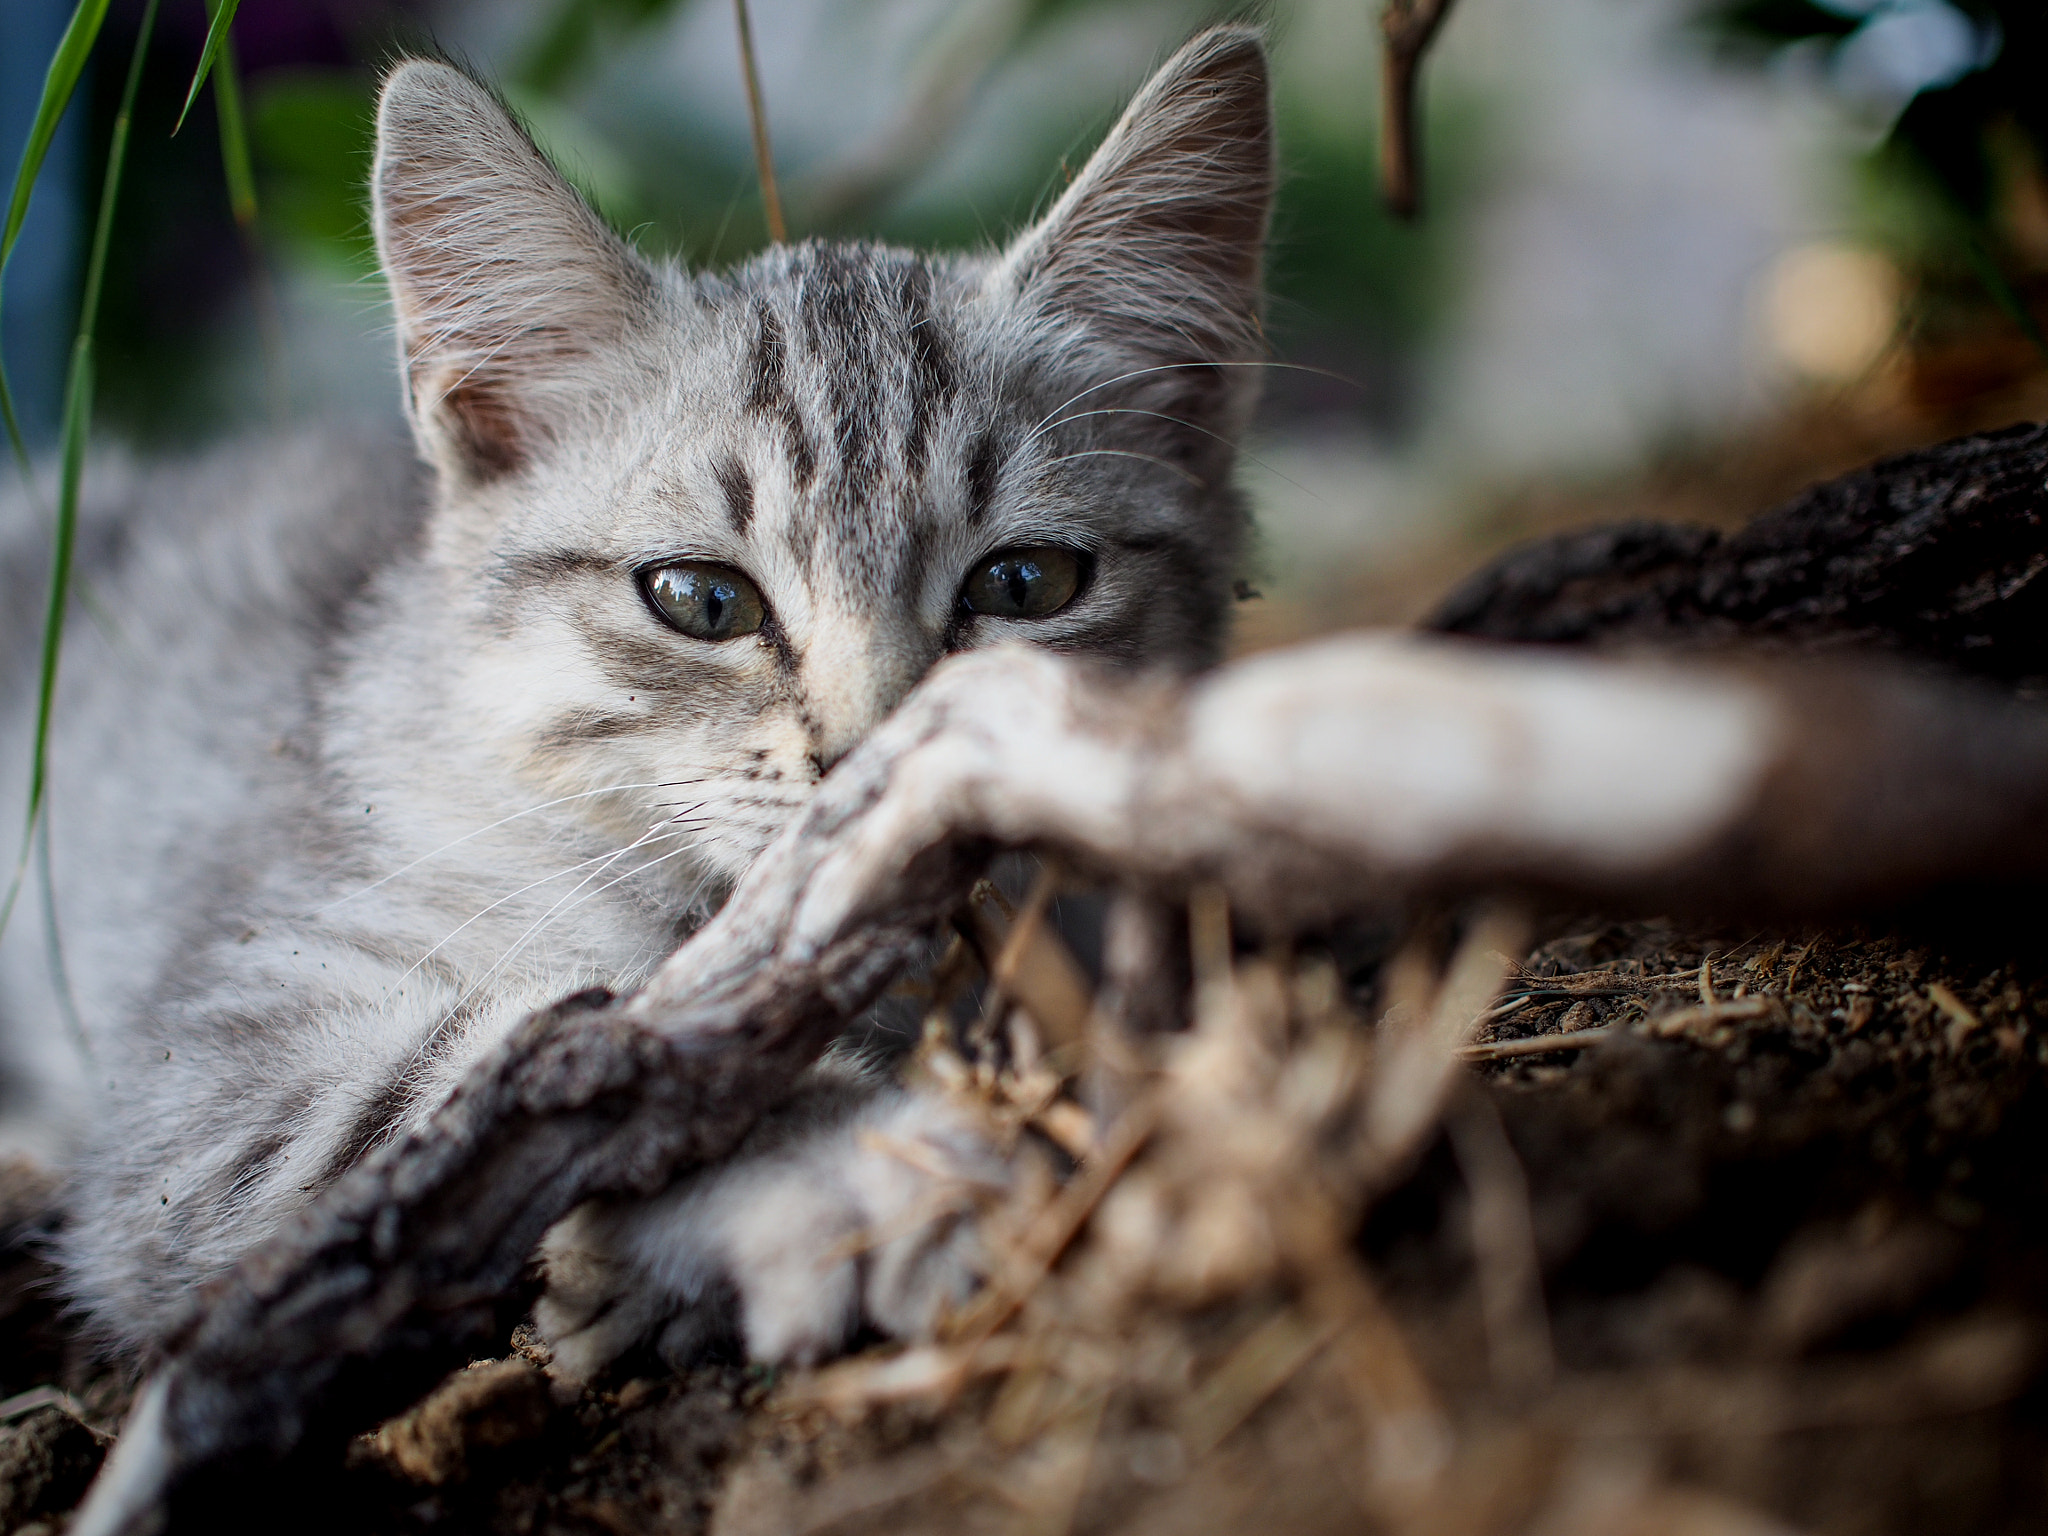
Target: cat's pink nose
point(850, 688)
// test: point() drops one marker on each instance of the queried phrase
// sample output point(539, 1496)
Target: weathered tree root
point(1302, 784)
point(1938, 554)
point(390, 1276)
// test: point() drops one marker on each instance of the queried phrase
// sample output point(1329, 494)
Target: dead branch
point(757, 118)
point(1296, 785)
point(1306, 783)
point(389, 1277)
point(1407, 28)
point(1937, 554)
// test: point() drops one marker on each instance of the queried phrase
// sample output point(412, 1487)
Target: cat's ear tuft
point(1158, 245)
point(509, 287)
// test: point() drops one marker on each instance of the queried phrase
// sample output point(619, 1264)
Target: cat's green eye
point(1023, 583)
point(705, 601)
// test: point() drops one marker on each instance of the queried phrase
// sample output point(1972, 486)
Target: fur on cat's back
point(209, 592)
point(354, 767)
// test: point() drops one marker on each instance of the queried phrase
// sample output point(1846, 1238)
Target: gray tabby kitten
point(356, 771)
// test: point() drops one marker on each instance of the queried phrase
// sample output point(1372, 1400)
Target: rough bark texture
point(1869, 787)
point(393, 1274)
point(1301, 783)
point(1938, 554)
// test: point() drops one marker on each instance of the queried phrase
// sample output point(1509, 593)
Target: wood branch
point(1939, 554)
point(1299, 784)
point(1308, 782)
point(388, 1279)
point(1407, 28)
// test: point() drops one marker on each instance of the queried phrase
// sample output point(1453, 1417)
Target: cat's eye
point(705, 601)
point(1024, 583)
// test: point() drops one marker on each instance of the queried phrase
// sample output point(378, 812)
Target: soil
point(1751, 1248)
point(1793, 1277)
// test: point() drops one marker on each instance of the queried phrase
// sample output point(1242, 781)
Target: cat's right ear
point(510, 290)
point(1157, 247)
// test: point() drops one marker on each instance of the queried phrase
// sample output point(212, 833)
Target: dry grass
point(1183, 1335)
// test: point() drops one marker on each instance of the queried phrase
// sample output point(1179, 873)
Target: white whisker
point(1120, 453)
point(561, 908)
point(1180, 421)
point(602, 860)
point(1053, 417)
point(531, 810)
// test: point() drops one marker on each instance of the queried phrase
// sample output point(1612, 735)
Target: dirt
point(1751, 1251)
point(1792, 1277)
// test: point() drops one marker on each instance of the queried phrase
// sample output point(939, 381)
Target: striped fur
point(376, 770)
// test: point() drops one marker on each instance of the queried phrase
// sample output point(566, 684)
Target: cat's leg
point(227, 1111)
point(851, 1206)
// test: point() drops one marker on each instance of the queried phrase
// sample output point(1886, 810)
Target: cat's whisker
point(603, 861)
point(687, 807)
point(562, 908)
point(1054, 417)
point(653, 834)
point(1193, 426)
point(1123, 453)
point(531, 810)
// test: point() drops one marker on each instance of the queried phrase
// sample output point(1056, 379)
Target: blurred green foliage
point(1355, 292)
point(312, 132)
point(1943, 187)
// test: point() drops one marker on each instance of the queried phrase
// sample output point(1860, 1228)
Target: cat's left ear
point(1157, 248)
point(512, 294)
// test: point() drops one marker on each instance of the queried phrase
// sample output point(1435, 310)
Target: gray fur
point(366, 765)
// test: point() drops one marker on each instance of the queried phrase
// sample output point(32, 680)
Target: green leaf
point(234, 139)
point(77, 429)
point(61, 79)
point(216, 39)
point(66, 65)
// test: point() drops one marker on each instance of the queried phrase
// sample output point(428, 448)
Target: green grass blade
point(77, 428)
point(216, 39)
point(15, 437)
point(53, 945)
point(234, 137)
point(66, 65)
point(78, 397)
point(77, 415)
point(59, 82)
point(237, 170)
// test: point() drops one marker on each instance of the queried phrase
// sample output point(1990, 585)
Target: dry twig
point(1281, 782)
point(757, 117)
point(1407, 28)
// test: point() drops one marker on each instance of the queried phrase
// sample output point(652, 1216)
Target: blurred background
point(1677, 257)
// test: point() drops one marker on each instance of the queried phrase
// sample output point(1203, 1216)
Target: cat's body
point(356, 767)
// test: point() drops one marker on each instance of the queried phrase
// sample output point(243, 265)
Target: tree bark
point(1937, 555)
point(1302, 783)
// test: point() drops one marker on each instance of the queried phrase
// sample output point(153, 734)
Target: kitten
point(361, 767)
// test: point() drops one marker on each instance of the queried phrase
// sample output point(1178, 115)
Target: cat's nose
point(851, 688)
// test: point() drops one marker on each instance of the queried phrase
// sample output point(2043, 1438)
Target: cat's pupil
point(1023, 583)
point(704, 601)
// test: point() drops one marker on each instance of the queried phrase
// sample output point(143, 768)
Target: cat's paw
point(824, 1222)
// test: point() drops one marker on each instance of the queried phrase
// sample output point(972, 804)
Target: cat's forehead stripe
point(853, 359)
point(933, 370)
point(738, 489)
point(769, 394)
